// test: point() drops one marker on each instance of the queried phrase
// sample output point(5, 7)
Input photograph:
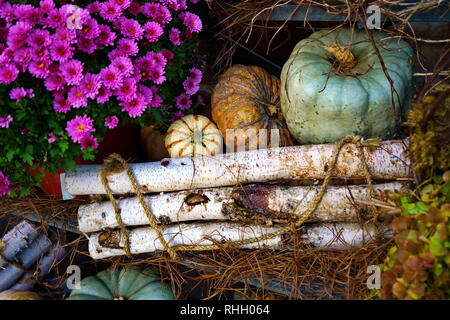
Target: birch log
point(265, 204)
point(257, 166)
point(337, 236)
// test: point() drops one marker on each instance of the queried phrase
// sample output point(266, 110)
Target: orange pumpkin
point(245, 100)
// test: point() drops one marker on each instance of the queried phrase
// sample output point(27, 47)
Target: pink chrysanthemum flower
point(183, 101)
point(131, 28)
point(191, 21)
point(127, 47)
point(27, 13)
point(5, 121)
point(111, 77)
point(39, 38)
point(191, 86)
point(111, 122)
point(135, 107)
point(80, 126)
point(88, 141)
point(6, 56)
point(30, 93)
point(150, 9)
point(90, 84)
point(54, 82)
point(77, 97)
point(153, 31)
point(52, 138)
point(89, 29)
point(157, 75)
point(123, 4)
point(157, 59)
point(8, 73)
point(46, 5)
point(55, 19)
point(163, 15)
point(105, 37)
point(17, 94)
point(4, 185)
point(124, 65)
point(146, 92)
point(61, 51)
point(174, 37)
point(39, 54)
point(18, 35)
point(60, 104)
point(156, 98)
point(103, 94)
point(135, 8)
point(110, 11)
point(177, 115)
point(127, 91)
point(65, 35)
point(72, 71)
point(86, 45)
point(22, 56)
point(196, 74)
point(94, 7)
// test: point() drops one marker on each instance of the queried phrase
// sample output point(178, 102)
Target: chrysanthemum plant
point(71, 72)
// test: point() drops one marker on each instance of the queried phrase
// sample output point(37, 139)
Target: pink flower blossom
point(110, 10)
point(183, 101)
point(156, 98)
point(111, 77)
point(135, 107)
point(124, 65)
point(157, 75)
point(61, 51)
point(17, 94)
point(54, 82)
point(79, 127)
point(127, 91)
point(65, 35)
point(4, 185)
point(153, 31)
point(52, 138)
point(90, 84)
point(18, 35)
point(39, 38)
point(127, 47)
point(103, 94)
point(135, 8)
point(72, 71)
point(77, 97)
point(39, 68)
point(94, 7)
point(131, 28)
point(60, 104)
point(89, 29)
point(5, 121)
point(55, 19)
point(8, 73)
point(88, 141)
point(196, 74)
point(86, 45)
point(111, 122)
point(174, 37)
point(105, 37)
point(191, 86)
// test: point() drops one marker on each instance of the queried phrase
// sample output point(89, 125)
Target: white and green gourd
point(134, 283)
point(333, 85)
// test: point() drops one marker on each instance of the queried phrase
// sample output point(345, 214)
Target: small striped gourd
point(192, 136)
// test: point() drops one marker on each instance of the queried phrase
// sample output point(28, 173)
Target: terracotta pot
point(123, 140)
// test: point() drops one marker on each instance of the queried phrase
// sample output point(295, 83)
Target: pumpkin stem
point(343, 55)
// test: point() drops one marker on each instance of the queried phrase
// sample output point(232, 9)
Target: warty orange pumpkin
point(246, 100)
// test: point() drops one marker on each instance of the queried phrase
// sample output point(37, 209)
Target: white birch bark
point(390, 161)
point(335, 236)
point(268, 203)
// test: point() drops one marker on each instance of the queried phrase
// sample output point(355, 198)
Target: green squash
point(134, 283)
point(322, 104)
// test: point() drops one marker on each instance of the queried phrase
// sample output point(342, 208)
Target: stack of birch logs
point(236, 196)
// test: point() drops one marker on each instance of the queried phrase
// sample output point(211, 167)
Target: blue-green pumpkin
point(323, 102)
point(134, 283)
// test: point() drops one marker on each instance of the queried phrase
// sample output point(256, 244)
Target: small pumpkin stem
point(343, 55)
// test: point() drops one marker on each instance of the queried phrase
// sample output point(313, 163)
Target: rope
point(313, 205)
point(114, 164)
